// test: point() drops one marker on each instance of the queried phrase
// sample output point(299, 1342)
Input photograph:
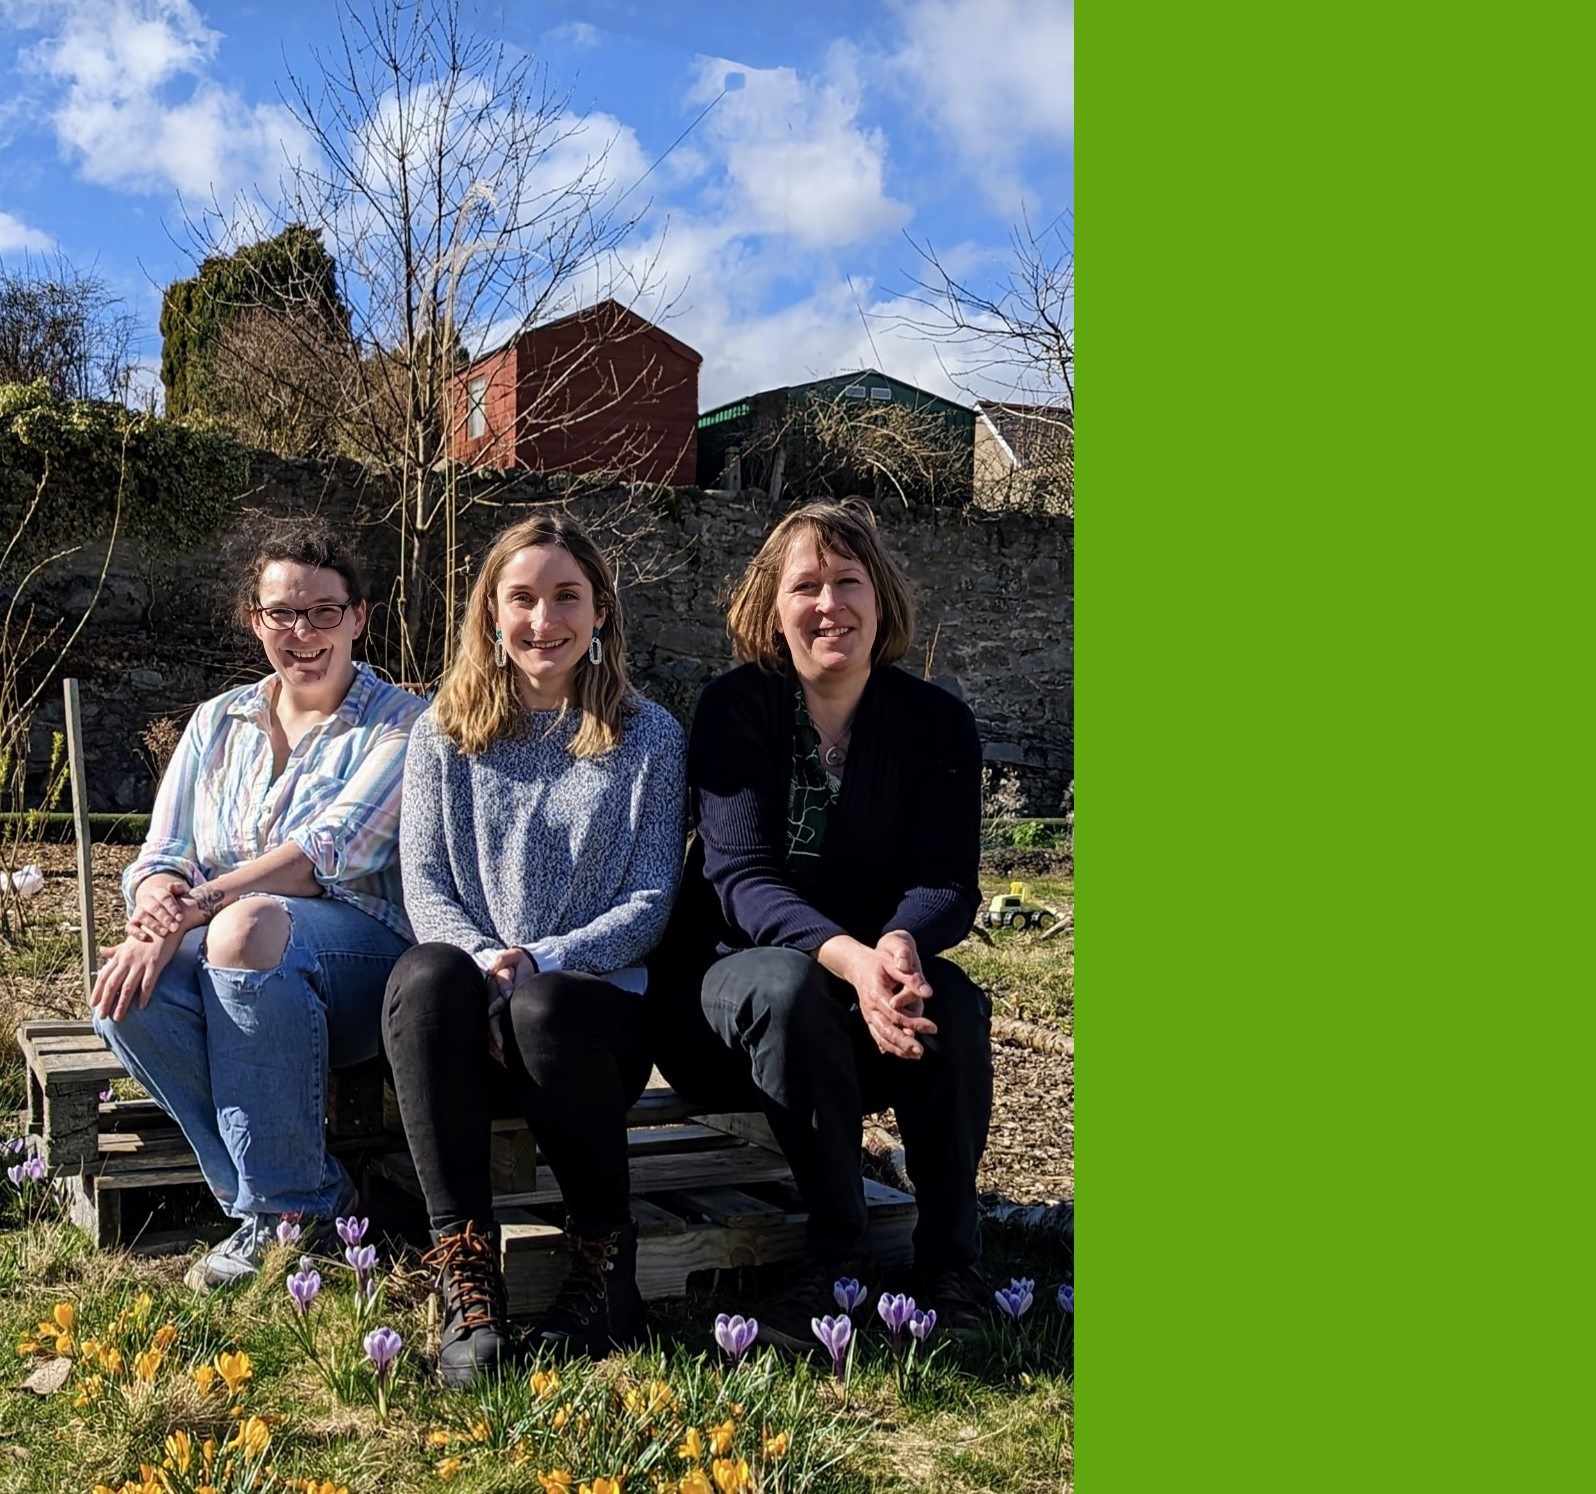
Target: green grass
point(996, 1414)
point(1029, 978)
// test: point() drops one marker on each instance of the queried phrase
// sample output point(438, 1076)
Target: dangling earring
point(499, 656)
point(595, 650)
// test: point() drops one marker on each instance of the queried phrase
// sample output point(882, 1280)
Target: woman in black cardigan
point(837, 802)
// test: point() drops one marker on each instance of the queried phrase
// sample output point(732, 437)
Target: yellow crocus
point(252, 1437)
point(696, 1482)
point(555, 1481)
point(65, 1315)
point(692, 1446)
point(27, 1346)
point(141, 1308)
point(111, 1358)
point(720, 1438)
point(480, 1431)
point(545, 1382)
point(204, 1375)
point(449, 1467)
point(561, 1416)
point(440, 1438)
point(773, 1447)
point(234, 1369)
point(146, 1365)
point(165, 1337)
point(180, 1450)
point(602, 1486)
point(730, 1477)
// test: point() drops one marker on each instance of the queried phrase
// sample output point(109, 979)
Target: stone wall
point(995, 597)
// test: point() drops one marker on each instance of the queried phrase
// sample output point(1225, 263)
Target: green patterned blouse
point(810, 796)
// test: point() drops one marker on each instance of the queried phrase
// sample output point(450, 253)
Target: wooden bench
point(710, 1191)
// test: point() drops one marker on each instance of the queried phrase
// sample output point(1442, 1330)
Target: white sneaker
point(237, 1257)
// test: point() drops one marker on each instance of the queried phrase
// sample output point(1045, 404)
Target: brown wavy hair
point(844, 527)
point(477, 705)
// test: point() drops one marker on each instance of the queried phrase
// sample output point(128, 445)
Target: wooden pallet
point(97, 1152)
point(710, 1191)
point(704, 1200)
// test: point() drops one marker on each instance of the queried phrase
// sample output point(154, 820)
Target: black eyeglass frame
point(302, 612)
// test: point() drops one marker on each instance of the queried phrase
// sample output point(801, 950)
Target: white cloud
point(15, 235)
point(138, 111)
point(994, 78)
point(797, 162)
point(576, 34)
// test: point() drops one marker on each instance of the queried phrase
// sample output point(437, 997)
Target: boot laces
point(470, 1277)
point(585, 1290)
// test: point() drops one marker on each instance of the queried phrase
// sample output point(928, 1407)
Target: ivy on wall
point(178, 485)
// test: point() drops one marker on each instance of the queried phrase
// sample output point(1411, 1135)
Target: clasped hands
point(892, 989)
point(505, 970)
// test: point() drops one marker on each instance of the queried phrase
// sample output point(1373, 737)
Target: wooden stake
point(80, 821)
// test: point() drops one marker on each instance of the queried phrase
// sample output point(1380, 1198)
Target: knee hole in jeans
point(249, 935)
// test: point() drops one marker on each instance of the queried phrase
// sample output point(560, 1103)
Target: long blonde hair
point(477, 705)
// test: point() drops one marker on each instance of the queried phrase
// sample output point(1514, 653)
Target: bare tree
point(841, 445)
point(63, 325)
point(1016, 335)
point(279, 378)
point(461, 199)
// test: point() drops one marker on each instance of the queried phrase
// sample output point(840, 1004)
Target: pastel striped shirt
point(337, 797)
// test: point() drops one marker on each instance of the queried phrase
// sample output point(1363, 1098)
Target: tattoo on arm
point(209, 901)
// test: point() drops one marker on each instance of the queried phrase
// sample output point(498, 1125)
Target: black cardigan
point(903, 842)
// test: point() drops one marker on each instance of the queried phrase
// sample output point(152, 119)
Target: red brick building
point(601, 391)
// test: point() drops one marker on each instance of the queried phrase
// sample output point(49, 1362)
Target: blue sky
point(855, 128)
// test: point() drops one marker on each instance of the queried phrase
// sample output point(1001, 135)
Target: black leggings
point(576, 1059)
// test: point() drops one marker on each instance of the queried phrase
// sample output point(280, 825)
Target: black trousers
point(772, 1028)
point(576, 1059)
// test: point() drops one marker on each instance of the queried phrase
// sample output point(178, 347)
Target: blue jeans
point(239, 1058)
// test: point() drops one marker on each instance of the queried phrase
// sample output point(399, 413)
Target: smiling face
point(826, 611)
point(316, 664)
point(543, 604)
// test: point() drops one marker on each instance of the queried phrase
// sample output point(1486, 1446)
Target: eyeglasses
point(323, 617)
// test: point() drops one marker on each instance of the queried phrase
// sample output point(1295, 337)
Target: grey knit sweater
point(574, 860)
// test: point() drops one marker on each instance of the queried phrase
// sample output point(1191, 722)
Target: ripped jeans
point(239, 1058)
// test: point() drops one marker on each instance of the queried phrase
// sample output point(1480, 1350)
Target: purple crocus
point(16, 1146)
point(363, 1258)
point(736, 1334)
point(15, 1175)
point(895, 1310)
point(1015, 1299)
point(303, 1285)
point(848, 1293)
point(287, 1232)
point(351, 1230)
point(1066, 1297)
point(836, 1334)
point(382, 1348)
point(107, 1095)
point(921, 1323)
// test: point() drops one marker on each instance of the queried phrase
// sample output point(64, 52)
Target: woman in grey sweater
point(541, 843)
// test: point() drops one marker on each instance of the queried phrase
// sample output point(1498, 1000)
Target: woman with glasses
point(264, 910)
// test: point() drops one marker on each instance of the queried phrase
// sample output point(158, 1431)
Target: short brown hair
point(845, 527)
point(477, 705)
point(308, 541)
